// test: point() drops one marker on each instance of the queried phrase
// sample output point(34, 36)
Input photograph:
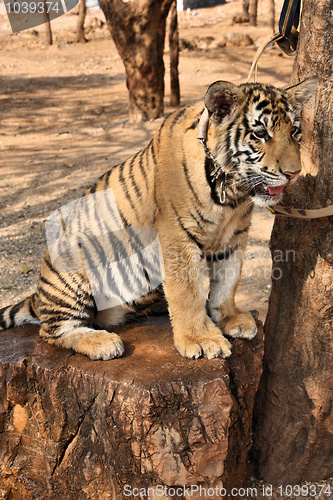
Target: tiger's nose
point(291, 175)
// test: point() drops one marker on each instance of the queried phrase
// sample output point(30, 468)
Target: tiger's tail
point(18, 314)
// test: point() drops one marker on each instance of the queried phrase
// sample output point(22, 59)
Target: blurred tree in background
point(138, 30)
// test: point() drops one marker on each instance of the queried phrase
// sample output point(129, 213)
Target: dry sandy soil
point(64, 123)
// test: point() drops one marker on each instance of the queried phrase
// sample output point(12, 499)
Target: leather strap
point(289, 18)
point(289, 45)
point(301, 213)
point(203, 125)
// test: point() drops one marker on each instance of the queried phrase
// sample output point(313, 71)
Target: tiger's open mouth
point(263, 190)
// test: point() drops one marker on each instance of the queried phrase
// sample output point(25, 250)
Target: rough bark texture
point(80, 38)
point(78, 429)
point(138, 30)
point(294, 419)
point(245, 5)
point(253, 8)
point(174, 56)
point(271, 14)
point(48, 30)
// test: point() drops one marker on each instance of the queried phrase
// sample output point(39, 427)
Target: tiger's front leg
point(224, 270)
point(195, 334)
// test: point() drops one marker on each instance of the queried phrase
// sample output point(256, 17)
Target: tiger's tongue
point(275, 190)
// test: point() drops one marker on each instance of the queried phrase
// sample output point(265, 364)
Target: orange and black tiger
point(175, 210)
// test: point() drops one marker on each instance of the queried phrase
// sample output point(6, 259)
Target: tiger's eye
point(261, 133)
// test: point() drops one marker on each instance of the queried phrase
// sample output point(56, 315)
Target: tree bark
point(138, 30)
point(75, 429)
point(271, 14)
point(48, 30)
point(244, 16)
point(253, 7)
point(174, 56)
point(245, 6)
point(80, 38)
point(294, 423)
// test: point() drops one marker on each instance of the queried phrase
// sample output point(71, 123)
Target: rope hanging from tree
point(286, 37)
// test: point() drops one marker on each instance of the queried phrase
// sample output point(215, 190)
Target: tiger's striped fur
point(253, 135)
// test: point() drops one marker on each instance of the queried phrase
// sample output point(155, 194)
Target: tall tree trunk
point(174, 56)
point(253, 7)
point(138, 30)
point(244, 16)
point(271, 14)
point(80, 38)
point(294, 423)
point(245, 6)
point(48, 30)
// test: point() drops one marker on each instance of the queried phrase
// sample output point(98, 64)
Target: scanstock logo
point(87, 236)
point(25, 14)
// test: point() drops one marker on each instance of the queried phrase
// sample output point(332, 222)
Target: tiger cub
point(198, 198)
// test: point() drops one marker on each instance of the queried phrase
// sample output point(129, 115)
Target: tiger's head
point(255, 135)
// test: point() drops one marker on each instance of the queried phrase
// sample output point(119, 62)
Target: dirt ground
point(64, 122)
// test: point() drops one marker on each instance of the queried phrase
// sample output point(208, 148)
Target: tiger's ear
point(299, 94)
point(221, 100)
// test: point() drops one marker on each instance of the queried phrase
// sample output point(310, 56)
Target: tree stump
point(78, 429)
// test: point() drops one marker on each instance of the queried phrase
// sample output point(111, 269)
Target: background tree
point(174, 56)
point(271, 14)
point(244, 16)
point(245, 6)
point(48, 29)
point(253, 8)
point(138, 30)
point(80, 38)
point(294, 423)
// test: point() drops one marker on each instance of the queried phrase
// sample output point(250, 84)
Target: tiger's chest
point(225, 227)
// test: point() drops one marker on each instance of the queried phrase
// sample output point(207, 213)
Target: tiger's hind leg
point(151, 303)
point(96, 344)
point(66, 310)
point(76, 334)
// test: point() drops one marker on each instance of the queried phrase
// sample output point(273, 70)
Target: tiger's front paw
point(210, 345)
point(240, 326)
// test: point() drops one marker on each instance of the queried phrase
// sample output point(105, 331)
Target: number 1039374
point(33, 7)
